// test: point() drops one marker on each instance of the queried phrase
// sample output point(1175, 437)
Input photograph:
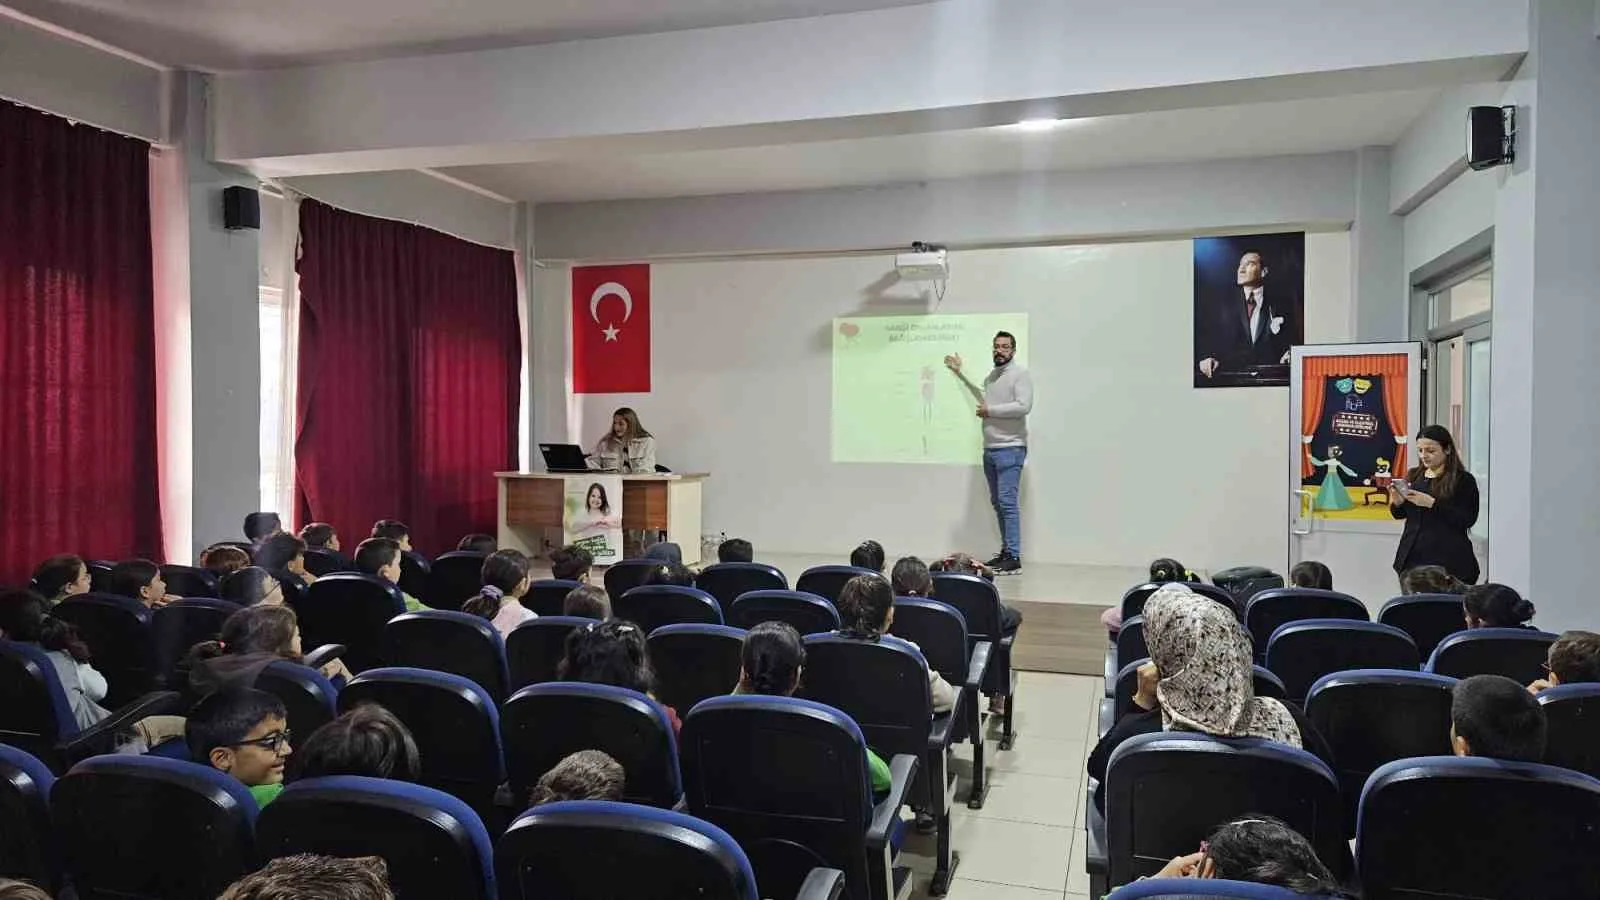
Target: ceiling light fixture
point(1032, 125)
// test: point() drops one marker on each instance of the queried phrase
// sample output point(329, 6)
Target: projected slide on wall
point(893, 399)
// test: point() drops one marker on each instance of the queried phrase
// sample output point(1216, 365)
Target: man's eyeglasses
point(274, 742)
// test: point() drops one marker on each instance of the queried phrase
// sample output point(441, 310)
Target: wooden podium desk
point(531, 502)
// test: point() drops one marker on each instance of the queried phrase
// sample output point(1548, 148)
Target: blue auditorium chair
point(1206, 889)
point(534, 649)
point(308, 697)
point(320, 562)
point(1301, 652)
point(624, 575)
point(453, 578)
point(455, 642)
point(808, 613)
point(190, 581)
point(1428, 618)
point(828, 581)
point(27, 844)
point(1573, 714)
point(548, 596)
point(177, 627)
point(787, 778)
point(147, 828)
point(1517, 653)
point(593, 850)
point(651, 606)
point(940, 631)
point(1134, 598)
point(728, 581)
point(979, 603)
point(1280, 606)
point(415, 572)
point(351, 609)
point(1128, 645)
point(694, 662)
point(435, 845)
point(1453, 828)
point(544, 723)
point(117, 631)
point(100, 575)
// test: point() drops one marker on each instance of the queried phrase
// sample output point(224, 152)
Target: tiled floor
point(1027, 841)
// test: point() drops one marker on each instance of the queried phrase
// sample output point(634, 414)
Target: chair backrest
point(1370, 717)
point(180, 625)
point(100, 574)
point(593, 850)
point(939, 631)
point(309, 698)
point(1130, 641)
point(1205, 889)
point(548, 596)
point(1267, 684)
point(624, 575)
point(882, 685)
point(455, 722)
point(654, 605)
point(117, 630)
point(348, 608)
point(1269, 609)
point(1133, 599)
point(808, 613)
point(1165, 792)
point(1517, 653)
point(1453, 828)
point(545, 723)
point(34, 712)
point(1428, 618)
point(1301, 652)
point(414, 573)
point(147, 827)
point(453, 578)
point(455, 642)
point(434, 844)
point(828, 581)
point(979, 603)
point(693, 662)
point(787, 778)
point(293, 586)
point(27, 848)
point(534, 649)
point(190, 581)
point(321, 562)
point(1573, 714)
point(728, 581)
point(1264, 683)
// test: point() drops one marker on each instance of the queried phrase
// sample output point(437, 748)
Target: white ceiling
point(241, 34)
point(1264, 129)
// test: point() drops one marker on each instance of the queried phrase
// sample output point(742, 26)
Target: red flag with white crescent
point(611, 329)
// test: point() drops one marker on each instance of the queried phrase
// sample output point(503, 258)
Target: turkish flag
point(611, 329)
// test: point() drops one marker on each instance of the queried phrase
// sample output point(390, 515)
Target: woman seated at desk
point(626, 448)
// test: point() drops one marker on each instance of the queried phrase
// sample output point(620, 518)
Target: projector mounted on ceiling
point(925, 262)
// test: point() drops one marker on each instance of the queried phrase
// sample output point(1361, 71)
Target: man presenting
point(1004, 402)
point(1249, 328)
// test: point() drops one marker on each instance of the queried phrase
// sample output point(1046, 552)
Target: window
point(272, 413)
point(1471, 295)
point(1459, 305)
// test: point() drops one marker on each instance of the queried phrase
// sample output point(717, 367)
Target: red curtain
point(77, 344)
point(409, 374)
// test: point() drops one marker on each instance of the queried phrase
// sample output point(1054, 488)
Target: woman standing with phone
point(1439, 502)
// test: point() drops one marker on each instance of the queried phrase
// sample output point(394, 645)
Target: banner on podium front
point(591, 516)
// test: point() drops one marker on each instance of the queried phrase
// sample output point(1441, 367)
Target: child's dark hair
point(375, 553)
point(393, 529)
point(736, 550)
point(910, 578)
point(129, 577)
point(254, 629)
point(1264, 850)
point(24, 618)
point(1575, 657)
point(246, 586)
point(1165, 569)
point(258, 525)
point(570, 562)
point(224, 718)
point(588, 601)
point(868, 555)
point(1311, 574)
point(611, 652)
point(1498, 718)
point(1497, 605)
point(670, 573)
point(308, 876)
point(221, 559)
point(772, 657)
point(278, 551)
point(318, 534)
point(503, 572)
point(864, 606)
point(1430, 580)
point(478, 543)
point(21, 890)
point(55, 573)
point(367, 740)
point(585, 775)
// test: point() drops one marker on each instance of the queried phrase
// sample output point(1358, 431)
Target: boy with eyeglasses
point(245, 733)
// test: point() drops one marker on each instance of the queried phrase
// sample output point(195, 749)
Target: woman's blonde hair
point(635, 430)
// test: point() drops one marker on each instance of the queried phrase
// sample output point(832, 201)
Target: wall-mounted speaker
point(241, 208)
point(1491, 136)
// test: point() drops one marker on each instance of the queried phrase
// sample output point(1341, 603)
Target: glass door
point(1459, 307)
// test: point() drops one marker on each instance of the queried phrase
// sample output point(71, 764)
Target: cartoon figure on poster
point(1355, 431)
point(1332, 494)
point(592, 515)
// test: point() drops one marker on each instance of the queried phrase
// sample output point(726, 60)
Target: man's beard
point(1000, 360)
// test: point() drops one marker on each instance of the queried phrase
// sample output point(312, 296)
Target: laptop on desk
point(564, 458)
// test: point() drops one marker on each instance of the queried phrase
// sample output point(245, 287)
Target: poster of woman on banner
point(592, 515)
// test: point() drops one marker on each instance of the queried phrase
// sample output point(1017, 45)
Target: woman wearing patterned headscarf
point(1199, 678)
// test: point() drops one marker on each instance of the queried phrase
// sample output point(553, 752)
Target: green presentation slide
point(893, 399)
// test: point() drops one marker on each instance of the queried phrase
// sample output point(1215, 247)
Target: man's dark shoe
point(1006, 565)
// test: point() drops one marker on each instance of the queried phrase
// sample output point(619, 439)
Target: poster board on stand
point(591, 515)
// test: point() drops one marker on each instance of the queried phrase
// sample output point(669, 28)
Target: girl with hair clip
point(627, 447)
point(60, 577)
point(505, 580)
point(612, 652)
point(1261, 850)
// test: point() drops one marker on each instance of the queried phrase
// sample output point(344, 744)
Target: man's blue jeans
point(1002, 467)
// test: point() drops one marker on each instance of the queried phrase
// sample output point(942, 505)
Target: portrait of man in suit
point(1248, 309)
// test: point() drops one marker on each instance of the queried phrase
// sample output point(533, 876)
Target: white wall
point(1450, 218)
point(742, 389)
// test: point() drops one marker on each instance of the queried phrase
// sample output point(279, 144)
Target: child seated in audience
point(1310, 574)
point(21, 890)
point(735, 550)
point(1493, 716)
point(868, 555)
point(223, 559)
point(1496, 606)
point(571, 563)
point(258, 526)
point(585, 775)
point(284, 553)
point(320, 536)
point(589, 601)
point(916, 576)
point(1261, 850)
point(478, 543)
point(380, 557)
point(1430, 580)
point(866, 609)
point(245, 733)
point(1573, 659)
point(306, 876)
point(252, 585)
point(251, 639)
point(60, 577)
point(394, 530)
point(1162, 571)
point(771, 662)
point(665, 552)
point(670, 574)
point(505, 580)
point(612, 652)
point(367, 740)
point(141, 580)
